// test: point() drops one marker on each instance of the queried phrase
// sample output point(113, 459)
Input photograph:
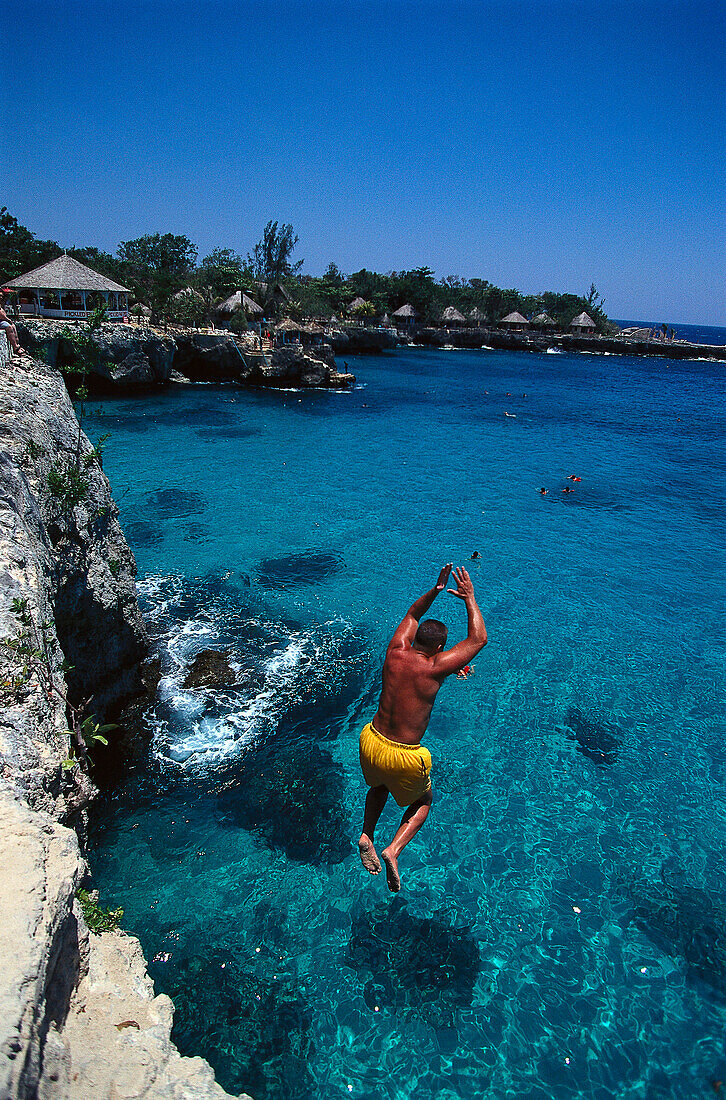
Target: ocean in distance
point(561, 932)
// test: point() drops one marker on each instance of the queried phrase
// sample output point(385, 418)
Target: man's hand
point(464, 587)
point(443, 577)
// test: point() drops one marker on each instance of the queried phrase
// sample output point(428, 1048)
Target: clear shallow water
point(562, 927)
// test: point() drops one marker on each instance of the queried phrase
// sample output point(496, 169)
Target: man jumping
point(391, 754)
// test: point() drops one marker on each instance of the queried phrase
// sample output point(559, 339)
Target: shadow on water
point(143, 532)
point(685, 923)
point(600, 741)
point(308, 567)
point(416, 966)
point(254, 1031)
point(175, 503)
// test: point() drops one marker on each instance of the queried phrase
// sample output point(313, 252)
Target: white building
point(68, 289)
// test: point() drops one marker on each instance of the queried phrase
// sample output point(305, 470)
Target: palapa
point(543, 320)
point(452, 315)
point(288, 325)
point(356, 304)
point(514, 318)
point(65, 273)
point(582, 321)
point(405, 312)
point(240, 300)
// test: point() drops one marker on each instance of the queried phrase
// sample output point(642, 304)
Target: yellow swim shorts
point(404, 769)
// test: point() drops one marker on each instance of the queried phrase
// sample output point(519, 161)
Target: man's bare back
point(415, 667)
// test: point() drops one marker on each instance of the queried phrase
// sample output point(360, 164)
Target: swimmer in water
point(392, 758)
point(543, 492)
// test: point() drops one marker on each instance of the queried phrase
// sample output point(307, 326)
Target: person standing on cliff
point(392, 758)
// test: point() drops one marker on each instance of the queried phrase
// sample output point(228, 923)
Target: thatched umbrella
point(451, 316)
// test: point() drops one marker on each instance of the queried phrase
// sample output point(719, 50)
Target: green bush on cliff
point(98, 919)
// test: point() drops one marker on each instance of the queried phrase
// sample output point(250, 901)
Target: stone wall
point(63, 992)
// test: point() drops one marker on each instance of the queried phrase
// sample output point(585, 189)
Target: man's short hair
point(431, 634)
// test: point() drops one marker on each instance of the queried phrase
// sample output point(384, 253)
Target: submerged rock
point(210, 668)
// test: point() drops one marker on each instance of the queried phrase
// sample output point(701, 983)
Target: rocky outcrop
point(539, 342)
point(210, 668)
point(67, 598)
point(359, 339)
point(134, 358)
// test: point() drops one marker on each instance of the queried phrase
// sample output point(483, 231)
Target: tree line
point(157, 267)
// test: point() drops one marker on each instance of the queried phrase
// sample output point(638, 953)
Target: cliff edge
point(78, 1014)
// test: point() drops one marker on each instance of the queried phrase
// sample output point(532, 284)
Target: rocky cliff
point(133, 358)
point(71, 635)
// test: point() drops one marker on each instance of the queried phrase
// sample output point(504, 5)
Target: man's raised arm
point(456, 658)
point(408, 626)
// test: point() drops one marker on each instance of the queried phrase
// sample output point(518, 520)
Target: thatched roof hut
point(451, 316)
point(582, 325)
point(515, 322)
point(356, 304)
point(288, 325)
point(476, 316)
point(65, 273)
point(543, 320)
point(187, 292)
point(65, 288)
point(405, 312)
point(239, 300)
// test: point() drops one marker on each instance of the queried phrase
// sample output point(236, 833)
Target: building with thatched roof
point(240, 301)
point(187, 292)
point(476, 316)
point(357, 303)
point(544, 321)
point(451, 316)
point(405, 316)
point(515, 322)
point(288, 330)
point(582, 325)
point(68, 289)
point(273, 296)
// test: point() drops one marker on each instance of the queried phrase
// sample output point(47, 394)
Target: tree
point(105, 264)
point(270, 259)
point(220, 273)
point(155, 267)
point(20, 250)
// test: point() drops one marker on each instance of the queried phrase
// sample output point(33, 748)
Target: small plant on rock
point(98, 919)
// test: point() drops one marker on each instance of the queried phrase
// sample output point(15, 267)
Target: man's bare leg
point(411, 822)
point(375, 801)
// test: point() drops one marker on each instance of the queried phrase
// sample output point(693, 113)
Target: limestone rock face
point(362, 339)
point(70, 567)
point(202, 357)
point(134, 358)
point(115, 1011)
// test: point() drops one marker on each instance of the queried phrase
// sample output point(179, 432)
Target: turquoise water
point(561, 931)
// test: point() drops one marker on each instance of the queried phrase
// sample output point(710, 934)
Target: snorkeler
point(392, 757)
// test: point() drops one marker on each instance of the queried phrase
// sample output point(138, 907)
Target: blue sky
point(537, 145)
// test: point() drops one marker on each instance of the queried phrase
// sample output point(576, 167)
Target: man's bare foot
point(392, 876)
point(369, 856)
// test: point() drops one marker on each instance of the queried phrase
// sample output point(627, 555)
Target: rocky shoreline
point(78, 1014)
point(135, 359)
point(498, 340)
